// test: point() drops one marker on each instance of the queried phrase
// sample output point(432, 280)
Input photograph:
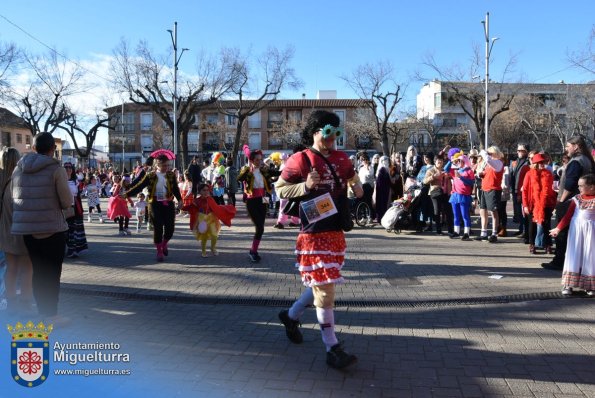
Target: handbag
point(342, 202)
point(436, 193)
point(292, 207)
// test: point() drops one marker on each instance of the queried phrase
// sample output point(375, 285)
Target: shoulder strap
point(316, 152)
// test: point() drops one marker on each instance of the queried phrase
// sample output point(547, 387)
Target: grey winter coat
point(40, 192)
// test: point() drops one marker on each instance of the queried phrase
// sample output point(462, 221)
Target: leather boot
point(532, 249)
point(502, 232)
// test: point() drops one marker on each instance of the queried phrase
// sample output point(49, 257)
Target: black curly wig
point(317, 120)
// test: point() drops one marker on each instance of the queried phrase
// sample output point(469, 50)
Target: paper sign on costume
point(319, 208)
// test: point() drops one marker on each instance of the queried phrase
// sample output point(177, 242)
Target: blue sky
point(331, 38)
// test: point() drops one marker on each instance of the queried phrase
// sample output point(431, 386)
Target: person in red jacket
point(491, 187)
point(539, 200)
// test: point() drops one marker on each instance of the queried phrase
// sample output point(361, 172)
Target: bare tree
point(580, 118)
point(42, 104)
point(542, 119)
point(8, 58)
point(72, 126)
point(471, 96)
point(362, 128)
point(585, 58)
point(508, 130)
point(257, 83)
point(146, 80)
point(288, 132)
point(376, 83)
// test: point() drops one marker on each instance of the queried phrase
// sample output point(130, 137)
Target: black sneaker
point(465, 237)
point(278, 226)
point(339, 359)
point(292, 329)
point(553, 266)
point(254, 257)
point(454, 235)
point(492, 239)
point(480, 238)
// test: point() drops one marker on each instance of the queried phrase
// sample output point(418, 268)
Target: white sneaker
point(215, 252)
point(89, 218)
point(567, 291)
point(127, 231)
point(122, 233)
point(100, 220)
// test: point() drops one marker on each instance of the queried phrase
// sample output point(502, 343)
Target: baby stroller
point(399, 216)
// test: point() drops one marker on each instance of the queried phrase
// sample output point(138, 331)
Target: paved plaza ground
point(427, 317)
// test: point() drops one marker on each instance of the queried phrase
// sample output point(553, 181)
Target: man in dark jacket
point(581, 163)
point(195, 177)
point(40, 193)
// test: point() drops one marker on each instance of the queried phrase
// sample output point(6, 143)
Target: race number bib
point(319, 208)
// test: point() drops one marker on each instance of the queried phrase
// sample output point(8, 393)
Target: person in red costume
point(206, 217)
point(539, 200)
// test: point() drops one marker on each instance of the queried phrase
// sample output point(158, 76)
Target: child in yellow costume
point(206, 217)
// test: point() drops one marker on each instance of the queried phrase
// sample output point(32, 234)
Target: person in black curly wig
point(319, 172)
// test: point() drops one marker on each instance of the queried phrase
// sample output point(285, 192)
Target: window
point(420, 139)
point(146, 142)
point(294, 116)
point(254, 122)
point(229, 140)
point(254, 141)
point(231, 120)
point(19, 138)
point(6, 141)
point(212, 119)
point(193, 140)
point(129, 121)
point(340, 141)
point(27, 139)
point(437, 100)
point(449, 122)
point(341, 114)
point(275, 119)
point(146, 121)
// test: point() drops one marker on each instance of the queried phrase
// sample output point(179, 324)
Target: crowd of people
point(42, 213)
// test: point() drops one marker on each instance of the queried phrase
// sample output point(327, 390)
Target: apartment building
point(571, 107)
point(13, 132)
point(277, 127)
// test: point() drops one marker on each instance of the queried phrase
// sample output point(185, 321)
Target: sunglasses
point(330, 131)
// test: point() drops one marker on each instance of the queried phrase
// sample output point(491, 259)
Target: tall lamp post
point(488, 52)
point(174, 41)
point(123, 137)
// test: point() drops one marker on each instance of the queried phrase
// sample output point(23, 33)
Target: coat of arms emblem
point(29, 353)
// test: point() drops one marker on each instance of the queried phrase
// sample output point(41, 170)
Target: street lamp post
point(123, 137)
point(488, 52)
point(174, 40)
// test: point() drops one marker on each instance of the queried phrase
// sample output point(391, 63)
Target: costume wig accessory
point(331, 131)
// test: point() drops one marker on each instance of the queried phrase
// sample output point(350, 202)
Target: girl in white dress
point(579, 263)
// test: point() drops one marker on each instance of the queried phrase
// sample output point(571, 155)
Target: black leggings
point(442, 207)
point(257, 210)
point(98, 207)
point(164, 219)
point(123, 222)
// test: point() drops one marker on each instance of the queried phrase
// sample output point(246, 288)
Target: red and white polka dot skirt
point(320, 257)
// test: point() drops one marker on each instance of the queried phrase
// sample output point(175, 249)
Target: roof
point(7, 118)
point(282, 103)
